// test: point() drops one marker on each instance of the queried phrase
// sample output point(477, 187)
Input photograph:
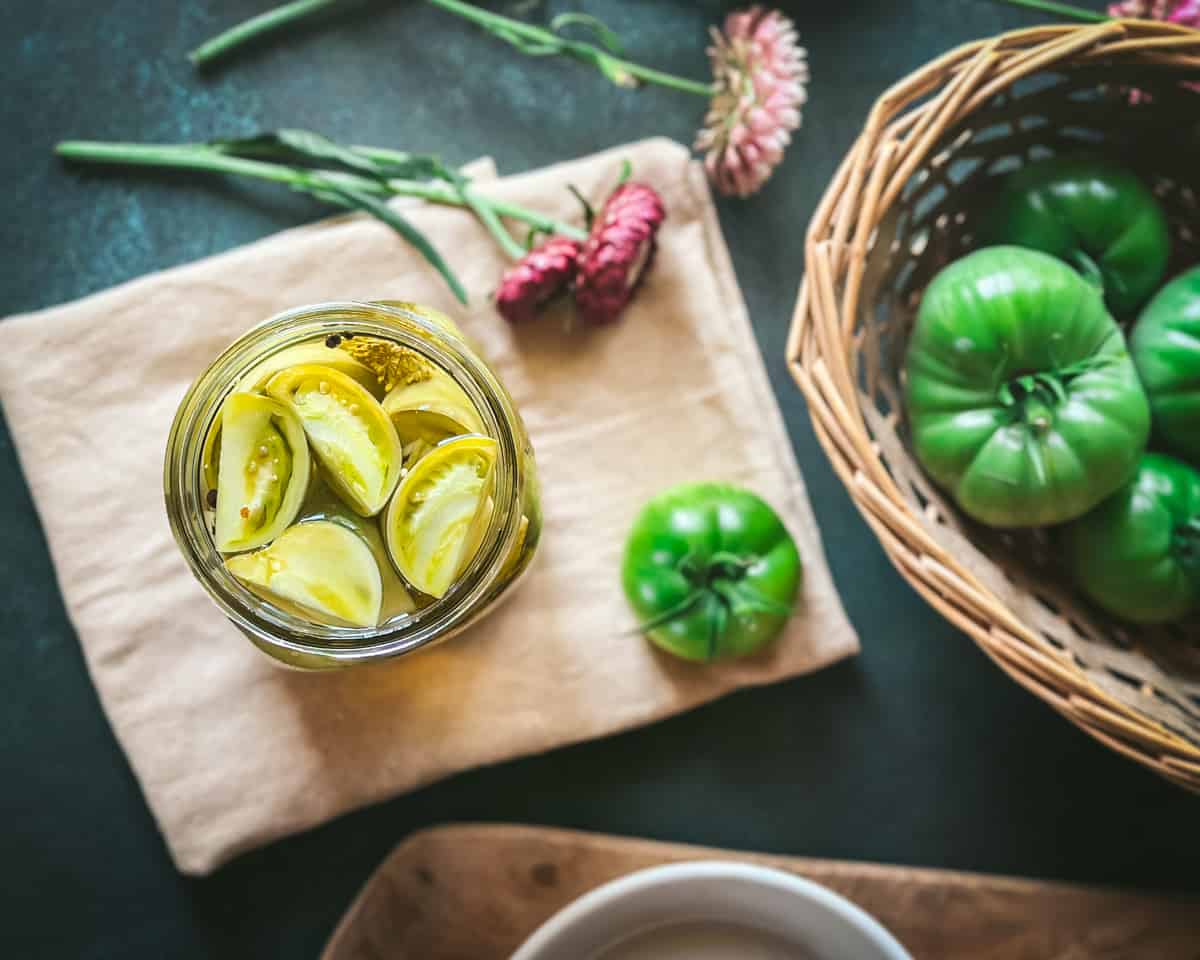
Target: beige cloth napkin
point(233, 751)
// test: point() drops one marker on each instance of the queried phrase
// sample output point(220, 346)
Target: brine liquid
point(703, 941)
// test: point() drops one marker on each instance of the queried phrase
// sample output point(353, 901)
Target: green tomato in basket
point(1137, 555)
point(1022, 400)
point(1098, 217)
point(711, 571)
point(1166, 349)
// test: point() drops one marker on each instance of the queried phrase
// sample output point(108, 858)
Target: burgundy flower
point(541, 273)
point(617, 252)
point(760, 73)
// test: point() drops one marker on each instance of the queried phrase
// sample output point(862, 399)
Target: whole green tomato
point(1166, 349)
point(1098, 217)
point(711, 571)
point(1137, 555)
point(1022, 400)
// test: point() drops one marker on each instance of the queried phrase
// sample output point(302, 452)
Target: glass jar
point(505, 550)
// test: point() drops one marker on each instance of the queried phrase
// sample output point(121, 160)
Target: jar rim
point(268, 625)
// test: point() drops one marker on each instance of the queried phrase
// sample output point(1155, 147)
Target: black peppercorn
point(211, 499)
point(332, 340)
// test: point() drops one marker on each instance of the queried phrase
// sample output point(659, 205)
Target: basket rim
point(819, 346)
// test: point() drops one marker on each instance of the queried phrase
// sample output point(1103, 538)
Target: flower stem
point(199, 156)
point(526, 37)
point(1063, 9)
point(536, 40)
point(487, 216)
point(257, 26)
point(186, 155)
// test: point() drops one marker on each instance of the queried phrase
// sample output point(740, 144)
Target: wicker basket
point(902, 205)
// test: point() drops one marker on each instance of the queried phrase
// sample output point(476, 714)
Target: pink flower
point(1184, 12)
point(543, 272)
point(1187, 13)
point(617, 252)
point(760, 73)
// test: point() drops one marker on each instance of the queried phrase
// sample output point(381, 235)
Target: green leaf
point(753, 600)
point(604, 33)
point(718, 614)
point(380, 210)
point(309, 149)
point(681, 609)
point(296, 146)
point(1057, 388)
point(626, 172)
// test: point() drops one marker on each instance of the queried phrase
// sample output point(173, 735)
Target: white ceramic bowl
point(819, 923)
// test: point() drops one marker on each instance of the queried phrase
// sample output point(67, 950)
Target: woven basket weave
point(902, 205)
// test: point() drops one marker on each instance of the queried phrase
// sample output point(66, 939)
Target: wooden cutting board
point(475, 892)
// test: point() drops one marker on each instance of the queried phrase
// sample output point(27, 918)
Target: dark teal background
point(920, 751)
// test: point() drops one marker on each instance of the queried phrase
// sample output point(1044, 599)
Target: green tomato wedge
point(256, 382)
point(430, 525)
point(210, 460)
point(323, 570)
point(352, 437)
point(262, 474)
point(432, 410)
point(304, 354)
point(324, 504)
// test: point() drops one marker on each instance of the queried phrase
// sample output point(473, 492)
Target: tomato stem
point(1185, 545)
point(680, 609)
point(718, 620)
point(718, 585)
point(1088, 269)
point(1032, 399)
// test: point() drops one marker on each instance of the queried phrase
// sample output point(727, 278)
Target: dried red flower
point(543, 272)
point(617, 252)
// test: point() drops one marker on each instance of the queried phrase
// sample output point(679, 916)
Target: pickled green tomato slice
point(352, 437)
point(262, 474)
point(326, 505)
point(304, 354)
point(432, 410)
point(210, 461)
point(430, 525)
point(256, 381)
point(322, 569)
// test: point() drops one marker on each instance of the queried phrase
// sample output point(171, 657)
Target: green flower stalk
point(1059, 9)
point(606, 55)
point(354, 177)
point(258, 26)
point(759, 85)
